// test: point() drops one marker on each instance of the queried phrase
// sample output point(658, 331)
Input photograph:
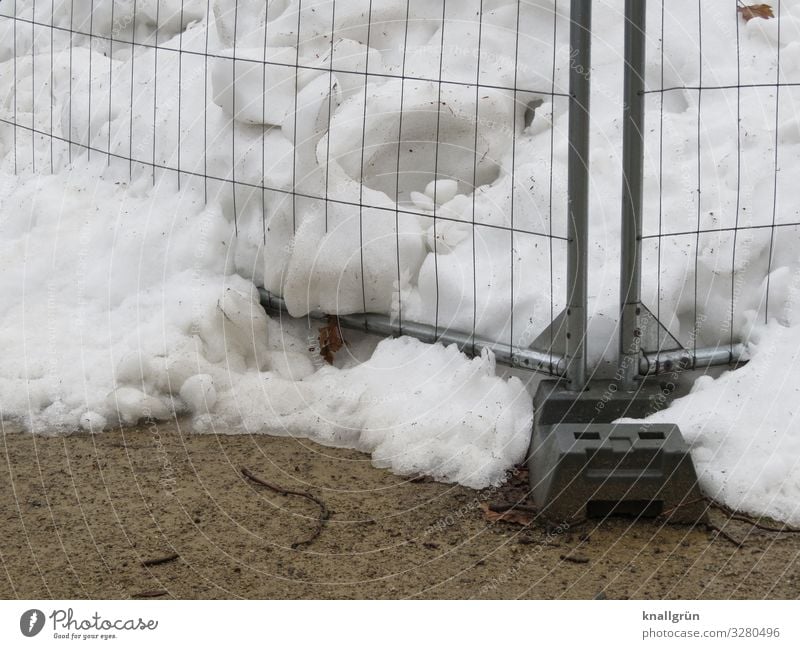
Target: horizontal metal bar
point(375, 323)
point(683, 359)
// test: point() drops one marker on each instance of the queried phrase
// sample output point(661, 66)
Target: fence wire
point(399, 158)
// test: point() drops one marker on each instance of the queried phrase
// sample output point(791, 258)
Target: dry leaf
point(755, 11)
point(518, 516)
point(330, 339)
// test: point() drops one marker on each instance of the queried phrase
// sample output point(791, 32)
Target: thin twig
point(574, 559)
point(324, 514)
point(725, 535)
point(744, 518)
point(160, 560)
point(732, 516)
point(501, 507)
point(672, 510)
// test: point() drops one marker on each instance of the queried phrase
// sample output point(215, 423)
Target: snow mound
point(418, 409)
point(743, 428)
point(131, 312)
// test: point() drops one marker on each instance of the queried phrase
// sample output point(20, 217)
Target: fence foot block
point(584, 466)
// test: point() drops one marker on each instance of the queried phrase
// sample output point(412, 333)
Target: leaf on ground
point(517, 516)
point(330, 339)
point(755, 11)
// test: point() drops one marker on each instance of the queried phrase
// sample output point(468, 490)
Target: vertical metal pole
point(578, 190)
point(632, 171)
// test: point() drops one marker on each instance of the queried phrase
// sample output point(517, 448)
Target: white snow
point(123, 299)
point(441, 191)
point(743, 428)
point(419, 409)
point(199, 393)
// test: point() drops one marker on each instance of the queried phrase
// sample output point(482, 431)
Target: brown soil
point(80, 515)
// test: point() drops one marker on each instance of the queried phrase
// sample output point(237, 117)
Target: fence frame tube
point(578, 191)
point(679, 360)
point(632, 179)
point(384, 325)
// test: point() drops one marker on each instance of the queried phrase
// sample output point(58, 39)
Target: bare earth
point(80, 514)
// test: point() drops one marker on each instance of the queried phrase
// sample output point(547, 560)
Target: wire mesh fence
point(709, 208)
point(401, 164)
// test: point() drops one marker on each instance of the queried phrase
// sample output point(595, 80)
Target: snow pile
point(129, 311)
point(147, 295)
point(111, 297)
point(418, 409)
point(743, 428)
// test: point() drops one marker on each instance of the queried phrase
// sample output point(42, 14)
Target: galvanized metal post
point(632, 173)
point(578, 190)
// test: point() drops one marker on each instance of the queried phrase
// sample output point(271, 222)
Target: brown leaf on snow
point(755, 11)
point(330, 339)
point(520, 516)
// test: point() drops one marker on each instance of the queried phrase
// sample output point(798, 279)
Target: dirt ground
point(81, 515)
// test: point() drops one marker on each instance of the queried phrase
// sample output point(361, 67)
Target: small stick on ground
point(669, 512)
point(733, 515)
point(526, 540)
point(324, 514)
point(574, 558)
point(160, 560)
point(744, 518)
point(501, 507)
point(146, 594)
point(497, 513)
point(725, 535)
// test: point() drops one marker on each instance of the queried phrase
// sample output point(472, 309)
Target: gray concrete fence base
point(581, 465)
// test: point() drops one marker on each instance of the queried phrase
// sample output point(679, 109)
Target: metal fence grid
point(294, 111)
point(695, 139)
